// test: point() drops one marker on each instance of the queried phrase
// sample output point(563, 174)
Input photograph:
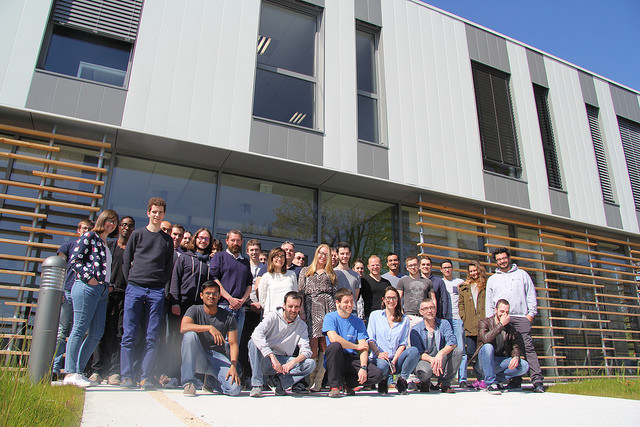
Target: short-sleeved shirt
point(413, 292)
point(351, 329)
point(452, 289)
point(223, 321)
point(348, 279)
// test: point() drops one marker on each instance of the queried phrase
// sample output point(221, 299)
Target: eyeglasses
point(323, 254)
point(205, 238)
point(279, 257)
point(447, 268)
point(299, 257)
point(391, 298)
point(111, 221)
point(427, 308)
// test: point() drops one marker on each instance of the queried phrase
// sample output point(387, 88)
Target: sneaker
point(348, 391)
point(447, 389)
point(147, 384)
point(494, 389)
point(255, 392)
point(299, 388)
point(515, 383)
point(462, 384)
point(435, 386)
point(95, 378)
point(334, 392)
point(411, 386)
point(189, 390)
point(401, 386)
point(538, 388)
point(279, 390)
point(206, 386)
point(127, 383)
point(479, 385)
point(76, 380)
point(383, 387)
point(425, 387)
point(114, 379)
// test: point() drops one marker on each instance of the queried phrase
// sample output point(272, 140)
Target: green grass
point(605, 387)
point(25, 404)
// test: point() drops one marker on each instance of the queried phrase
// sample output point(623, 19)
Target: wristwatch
point(364, 368)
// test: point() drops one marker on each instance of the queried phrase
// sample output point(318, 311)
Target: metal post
point(45, 331)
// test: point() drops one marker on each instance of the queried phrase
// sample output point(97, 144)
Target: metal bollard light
point(45, 331)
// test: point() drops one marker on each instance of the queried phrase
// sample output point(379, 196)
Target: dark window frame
point(600, 154)
point(630, 135)
point(541, 95)
point(374, 95)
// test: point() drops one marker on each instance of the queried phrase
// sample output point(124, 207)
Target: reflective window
point(86, 56)
point(286, 66)
point(267, 208)
point(190, 193)
point(368, 225)
point(368, 127)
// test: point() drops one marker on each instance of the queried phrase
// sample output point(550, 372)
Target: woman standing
point(91, 261)
point(471, 300)
point(276, 282)
point(317, 285)
point(388, 331)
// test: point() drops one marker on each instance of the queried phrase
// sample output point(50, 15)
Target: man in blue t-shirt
point(347, 355)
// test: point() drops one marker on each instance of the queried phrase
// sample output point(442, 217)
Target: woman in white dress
point(276, 282)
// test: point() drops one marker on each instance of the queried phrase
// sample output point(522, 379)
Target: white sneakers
point(77, 380)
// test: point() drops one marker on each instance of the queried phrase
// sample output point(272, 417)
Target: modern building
point(386, 123)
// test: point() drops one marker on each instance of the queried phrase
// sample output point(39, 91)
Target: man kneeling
point(203, 344)
point(272, 346)
point(347, 352)
point(500, 346)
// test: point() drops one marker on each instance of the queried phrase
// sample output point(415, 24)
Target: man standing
point(177, 233)
point(347, 354)
point(272, 347)
point(515, 285)
point(298, 259)
point(252, 308)
point(233, 273)
point(165, 226)
point(443, 304)
point(347, 278)
point(499, 349)
point(413, 289)
point(453, 315)
point(373, 286)
point(186, 238)
point(205, 328)
point(439, 353)
point(146, 265)
point(394, 274)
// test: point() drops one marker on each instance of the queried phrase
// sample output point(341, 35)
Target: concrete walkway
point(114, 406)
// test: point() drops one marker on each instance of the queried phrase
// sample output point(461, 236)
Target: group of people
point(221, 319)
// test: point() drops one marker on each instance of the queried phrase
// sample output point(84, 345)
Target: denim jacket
point(89, 258)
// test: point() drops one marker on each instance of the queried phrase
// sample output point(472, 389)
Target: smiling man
point(515, 285)
point(272, 347)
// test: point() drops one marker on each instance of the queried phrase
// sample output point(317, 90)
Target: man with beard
point(272, 347)
point(233, 273)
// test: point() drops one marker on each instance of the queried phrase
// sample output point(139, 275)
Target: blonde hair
point(327, 268)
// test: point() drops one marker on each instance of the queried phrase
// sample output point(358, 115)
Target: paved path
point(113, 406)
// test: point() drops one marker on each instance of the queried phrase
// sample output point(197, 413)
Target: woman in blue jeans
point(91, 261)
point(388, 331)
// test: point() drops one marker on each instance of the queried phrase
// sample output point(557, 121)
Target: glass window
point(541, 95)
point(368, 225)
point(366, 47)
point(630, 134)
point(286, 78)
point(601, 157)
point(190, 193)
point(267, 208)
point(87, 56)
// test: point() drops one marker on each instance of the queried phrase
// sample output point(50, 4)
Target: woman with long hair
point(388, 331)
point(317, 285)
point(91, 261)
point(276, 282)
point(471, 298)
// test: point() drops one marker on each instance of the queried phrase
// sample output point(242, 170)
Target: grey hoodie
point(275, 335)
point(516, 287)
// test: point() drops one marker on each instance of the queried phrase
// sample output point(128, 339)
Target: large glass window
point(286, 77)
point(368, 225)
point(190, 193)
point(267, 208)
point(367, 76)
point(541, 95)
point(495, 118)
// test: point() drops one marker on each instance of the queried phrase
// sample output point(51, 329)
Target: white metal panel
point(22, 26)
point(340, 83)
point(612, 143)
point(192, 76)
point(528, 130)
point(574, 145)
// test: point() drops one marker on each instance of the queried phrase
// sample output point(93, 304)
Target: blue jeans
point(496, 368)
point(458, 331)
point(139, 302)
point(407, 362)
point(89, 314)
point(261, 366)
point(195, 359)
point(238, 315)
point(64, 327)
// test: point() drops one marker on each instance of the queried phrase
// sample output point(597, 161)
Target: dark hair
point(216, 244)
point(391, 254)
point(342, 292)
point(156, 201)
point(427, 257)
point(102, 220)
point(445, 261)
point(210, 284)
point(343, 245)
point(292, 294)
point(499, 251)
point(397, 312)
point(254, 242)
point(272, 254)
point(503, 301)
point(191, 246)
point(130, 217)
point(482, 275)
point(178, 226)
point(86, 222)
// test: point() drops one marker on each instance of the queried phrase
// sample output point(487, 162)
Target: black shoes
point(383, 387)
point(425, 387)
point(401, 386)
point(538, 388)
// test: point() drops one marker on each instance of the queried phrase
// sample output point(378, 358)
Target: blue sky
point(600, 36)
